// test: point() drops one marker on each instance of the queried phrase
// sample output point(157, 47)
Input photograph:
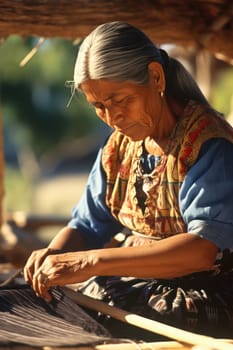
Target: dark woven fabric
point(199, 303)
point(27, 319)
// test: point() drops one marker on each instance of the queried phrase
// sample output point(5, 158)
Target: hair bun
point(165, 58)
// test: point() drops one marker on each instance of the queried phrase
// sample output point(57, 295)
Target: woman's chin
point(139, 136)
point(135, 139)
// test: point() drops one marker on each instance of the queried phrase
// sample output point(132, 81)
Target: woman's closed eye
point(102, 107)
point(119, 102)
point(122, 101)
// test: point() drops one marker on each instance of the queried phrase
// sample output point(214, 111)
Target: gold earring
point(161, 94)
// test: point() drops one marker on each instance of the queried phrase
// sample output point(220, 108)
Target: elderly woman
point(165, 174)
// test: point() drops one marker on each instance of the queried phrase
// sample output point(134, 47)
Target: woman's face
point(129, 108)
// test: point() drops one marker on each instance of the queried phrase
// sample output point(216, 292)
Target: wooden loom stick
point(148, 324)
point(143, 346)
point(161, 345)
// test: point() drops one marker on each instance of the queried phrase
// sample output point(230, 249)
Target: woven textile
point(27, 319)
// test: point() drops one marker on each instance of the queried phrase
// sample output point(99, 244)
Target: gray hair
point(118, 51)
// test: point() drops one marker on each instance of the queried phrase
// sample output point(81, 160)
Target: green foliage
point(35, 95)
point(222, 91)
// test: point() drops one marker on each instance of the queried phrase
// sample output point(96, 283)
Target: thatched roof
point(189, 23)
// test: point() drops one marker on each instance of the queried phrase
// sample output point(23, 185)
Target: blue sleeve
point(91, 216)
point(206, 195)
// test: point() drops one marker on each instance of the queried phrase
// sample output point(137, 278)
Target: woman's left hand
point(62, 269)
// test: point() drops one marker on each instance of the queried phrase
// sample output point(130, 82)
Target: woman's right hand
point(34, 262)
point(67, 239)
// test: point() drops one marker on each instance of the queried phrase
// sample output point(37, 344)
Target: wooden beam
point(180, 22)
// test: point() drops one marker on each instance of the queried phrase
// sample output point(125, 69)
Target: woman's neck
point(159, 144)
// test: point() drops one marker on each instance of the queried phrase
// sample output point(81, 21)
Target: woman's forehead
point(103, 89)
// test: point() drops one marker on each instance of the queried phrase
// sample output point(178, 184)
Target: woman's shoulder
point(217, 145)
point(202, 118)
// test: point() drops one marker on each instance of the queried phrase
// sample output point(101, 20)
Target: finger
point(45, 294)
point(29, 269)
point(26, 274)
point(34, 262)
point(35, 282)
point(43, 253)
point(41, 285)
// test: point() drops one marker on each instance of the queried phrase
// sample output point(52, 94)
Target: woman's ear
point(157, 75)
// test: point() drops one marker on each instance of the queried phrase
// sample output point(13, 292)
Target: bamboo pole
point(185, 337)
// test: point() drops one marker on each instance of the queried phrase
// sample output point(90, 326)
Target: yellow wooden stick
point(174, 333)
point(32, 52)
point(165, 345)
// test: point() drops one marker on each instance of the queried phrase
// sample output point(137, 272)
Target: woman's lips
point(124, 128)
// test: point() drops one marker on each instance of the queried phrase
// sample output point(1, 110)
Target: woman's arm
point(68, 240)
point(206, 195)
point(171, 257)
point(175, 256)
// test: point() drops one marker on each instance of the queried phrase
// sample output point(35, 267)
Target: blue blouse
point(205, 198)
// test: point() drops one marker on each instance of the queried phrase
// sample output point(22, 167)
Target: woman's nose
point(113, 115)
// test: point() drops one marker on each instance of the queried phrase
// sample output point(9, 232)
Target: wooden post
point(1, 166)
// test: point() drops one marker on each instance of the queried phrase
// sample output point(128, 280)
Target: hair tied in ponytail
point(165, 58)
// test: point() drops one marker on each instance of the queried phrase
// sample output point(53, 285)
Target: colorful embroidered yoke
point(159, 214)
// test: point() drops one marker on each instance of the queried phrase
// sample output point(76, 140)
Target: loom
point(28, 319)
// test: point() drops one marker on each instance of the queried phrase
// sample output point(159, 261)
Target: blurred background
point(50, 141)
